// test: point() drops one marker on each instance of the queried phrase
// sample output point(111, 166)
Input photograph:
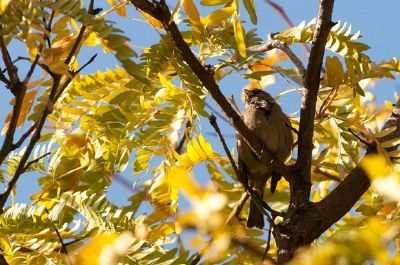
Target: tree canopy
point(145, 118)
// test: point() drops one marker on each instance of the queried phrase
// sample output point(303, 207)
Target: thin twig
point(275, 44)
point(28, 164)
point(32, 68)
point(79, 37)
point(11, 70)
point(216, 113)
point(360, 138)
point(268, 243)
point(86, 64)
point(55, 93)
point(25, 135)
point(63, 246)
point(4, 79)
point(238, 207)
point(255, 249)
point(179, 147)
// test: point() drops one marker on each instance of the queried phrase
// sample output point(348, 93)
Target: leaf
point(152, 21)
point(25, 108)
point(4, 5)
point(375, 166)
point(214, 2)
point(160, 231)
point(133, 69)
point(239, 36)
point(120, 9)
point(218, 15)
point(390, 143)
point(192, 12)
point(358, 89)
point(176, 10)
point(385, 132)
point(334, 71)
point(250, 8)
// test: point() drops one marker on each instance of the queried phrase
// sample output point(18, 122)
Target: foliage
point(146, 118)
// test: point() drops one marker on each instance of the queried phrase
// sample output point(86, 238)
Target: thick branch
point(301, 190)
point(18, 89)
point(162, 13)
point(349, 191)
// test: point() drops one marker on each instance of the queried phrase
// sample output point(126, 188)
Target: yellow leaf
point(105, 249)
point(218, 15)
point(93, 39)
point(160, 231)
point(25, 108)
point(206, 147)
point(176, 10)
point(90, 253)
point(192, 12)
point(179, 177)
point(375, 166)
point(385, 132)
point(334, 71)
point(214, 2)
point(4, 5)
point(250, 7)
point(390, 143)
point(239, 36)
point(152, 21)
point(265, 64)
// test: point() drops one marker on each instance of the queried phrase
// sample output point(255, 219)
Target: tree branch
point(301, 189)
point(349, 191)
point(55, 93)
point(274, 44)
point(162, 13)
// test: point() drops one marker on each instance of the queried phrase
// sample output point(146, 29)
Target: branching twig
point(28, 164)
point(55, 93)
point(360, 138)
point(86, 64)
point(268, 243)
point(252, 248)
point(238, 208)
point(63, 246)
point(24, 136)
point(11, 70)
point(274, 44)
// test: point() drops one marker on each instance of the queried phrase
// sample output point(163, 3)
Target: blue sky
point(378, 23)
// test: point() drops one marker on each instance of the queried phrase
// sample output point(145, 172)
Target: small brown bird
point(266, 119)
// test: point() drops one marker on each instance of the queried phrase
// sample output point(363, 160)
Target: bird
point(263, 115)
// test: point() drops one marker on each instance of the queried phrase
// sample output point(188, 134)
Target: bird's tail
point(256, 217)
point(274, 181)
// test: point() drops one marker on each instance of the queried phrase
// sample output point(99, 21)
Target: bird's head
point(259, 98)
